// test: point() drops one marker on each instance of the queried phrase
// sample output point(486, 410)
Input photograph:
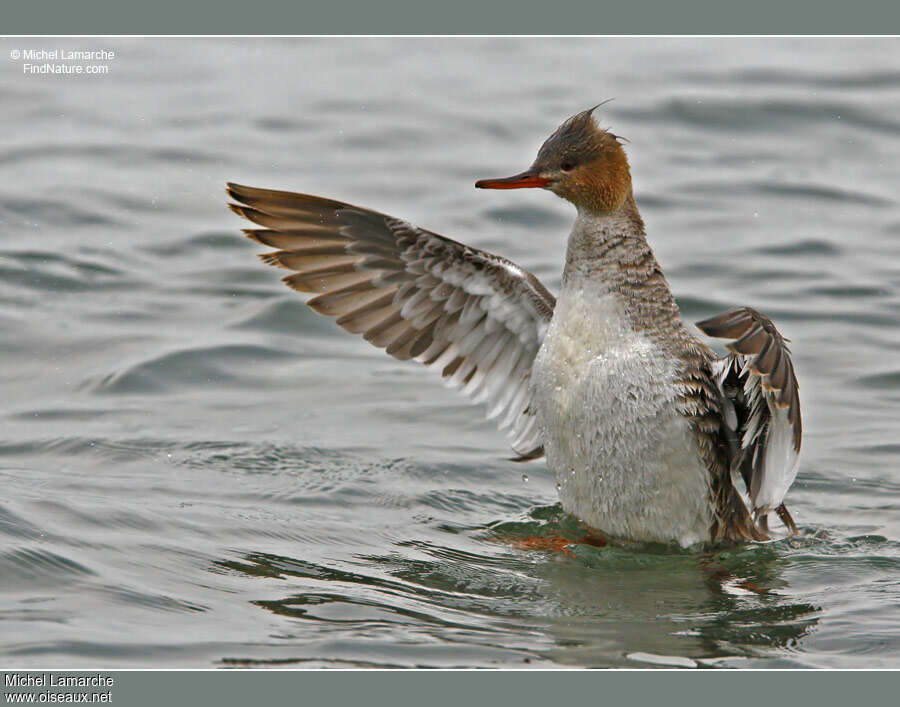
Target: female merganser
point(652, 437)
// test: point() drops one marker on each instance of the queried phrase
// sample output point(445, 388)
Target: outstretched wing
point(476, 317)
point(758, 379)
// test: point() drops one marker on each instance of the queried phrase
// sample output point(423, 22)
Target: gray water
point(199, 472)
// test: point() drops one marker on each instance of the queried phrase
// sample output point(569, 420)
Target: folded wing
point(476, 317)
point(759, 381)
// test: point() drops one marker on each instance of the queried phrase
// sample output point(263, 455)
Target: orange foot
point(548, 543)
point(551, 543)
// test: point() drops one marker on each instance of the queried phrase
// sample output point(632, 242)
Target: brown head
point(581, 162)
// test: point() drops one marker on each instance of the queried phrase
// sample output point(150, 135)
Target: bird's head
point(581, 162)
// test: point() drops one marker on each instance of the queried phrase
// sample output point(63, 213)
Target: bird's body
point(625, 457)
point(651, 436)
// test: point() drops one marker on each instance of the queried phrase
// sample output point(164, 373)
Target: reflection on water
point(199, 471)
point(664, 607)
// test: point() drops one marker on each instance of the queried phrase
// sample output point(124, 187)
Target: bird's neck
point(604, 241)
point(608, 256)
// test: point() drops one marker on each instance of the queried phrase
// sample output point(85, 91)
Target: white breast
point(626, 462)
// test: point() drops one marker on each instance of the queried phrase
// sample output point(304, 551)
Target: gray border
point(520, 688)
point(224, 688)
point(451, 17)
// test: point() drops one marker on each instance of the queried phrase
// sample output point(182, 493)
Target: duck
point(651, 435)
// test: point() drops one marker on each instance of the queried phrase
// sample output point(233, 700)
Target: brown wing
point(768, 355)
point(478, 318)
point(758, 380)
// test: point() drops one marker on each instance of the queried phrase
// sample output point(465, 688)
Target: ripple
point(15, 526)
point(283, 124)
point(118, 519)
point(697, 308)
point(462, 500)
point(28, 567)
point(54, 272)
point(765, 116)
point(157, 602)
point(286, 316)
point(849, 291)
point(196, 367)
point(810, 192)
point(821, 192)
point(879, 381)
point(213, 241)
point(62, 415)
point(806, 246)
point(110, 449)
point(378, 139)
point(776, 77)
point(117, 154)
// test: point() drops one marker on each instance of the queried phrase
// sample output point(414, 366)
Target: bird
point(651, 435)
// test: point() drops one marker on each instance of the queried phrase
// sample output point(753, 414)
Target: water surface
point(199, 472)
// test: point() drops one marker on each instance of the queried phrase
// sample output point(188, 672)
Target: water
point(198, 471)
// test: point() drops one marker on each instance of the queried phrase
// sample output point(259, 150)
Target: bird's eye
point(567, 166)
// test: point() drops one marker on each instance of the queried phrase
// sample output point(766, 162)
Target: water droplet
point(525, 478)
point(558, 488)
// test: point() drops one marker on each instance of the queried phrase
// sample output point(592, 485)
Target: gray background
point(460, 17)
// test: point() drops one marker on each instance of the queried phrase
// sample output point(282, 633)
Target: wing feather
point(476, 317)
point(759, 381)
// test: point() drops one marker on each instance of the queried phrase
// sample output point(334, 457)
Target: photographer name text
point(51, 680)
point(65, 55)
point(63, 61)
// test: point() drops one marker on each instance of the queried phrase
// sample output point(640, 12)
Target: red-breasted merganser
point(651, 436)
